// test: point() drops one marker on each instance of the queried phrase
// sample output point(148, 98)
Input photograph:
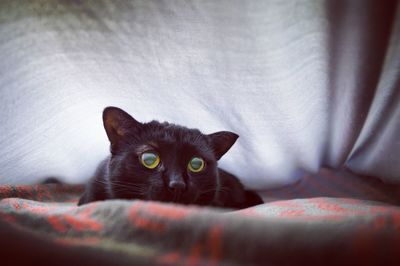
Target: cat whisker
point(129, 185)
point(225, 189)
point(195, 198)
point(120, 184)
point(207, 191)
point(141, 192)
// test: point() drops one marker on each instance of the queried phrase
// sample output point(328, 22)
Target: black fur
point(122, 176)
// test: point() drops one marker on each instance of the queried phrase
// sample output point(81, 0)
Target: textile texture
point(42, 224)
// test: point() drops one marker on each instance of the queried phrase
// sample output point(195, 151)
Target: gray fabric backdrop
point(304, 83)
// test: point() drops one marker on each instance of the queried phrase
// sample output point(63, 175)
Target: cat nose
point(176, 185)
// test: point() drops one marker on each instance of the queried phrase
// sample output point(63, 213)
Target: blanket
point(42, 225)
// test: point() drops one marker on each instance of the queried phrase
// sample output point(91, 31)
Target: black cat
point(165, 162)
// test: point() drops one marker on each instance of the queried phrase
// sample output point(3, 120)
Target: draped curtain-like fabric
point(305, 84)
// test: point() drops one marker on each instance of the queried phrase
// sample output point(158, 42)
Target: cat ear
point(118, 124)
point(222, 141)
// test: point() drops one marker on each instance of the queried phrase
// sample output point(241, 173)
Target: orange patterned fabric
point(319, 230)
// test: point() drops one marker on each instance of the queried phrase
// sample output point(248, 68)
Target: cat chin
point(174, 198)
point(162, 196)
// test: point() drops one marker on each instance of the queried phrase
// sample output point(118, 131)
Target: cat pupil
point(149, 158)
point(196, 163)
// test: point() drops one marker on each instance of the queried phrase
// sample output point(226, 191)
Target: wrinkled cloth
point(43, 224)
point(304, 83)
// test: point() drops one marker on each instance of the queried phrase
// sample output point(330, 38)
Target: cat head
point(163, 161)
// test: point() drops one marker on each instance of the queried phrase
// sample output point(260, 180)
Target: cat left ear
point(222, 141)
point(118, 124)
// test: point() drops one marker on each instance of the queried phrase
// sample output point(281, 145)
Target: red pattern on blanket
point(302, 231)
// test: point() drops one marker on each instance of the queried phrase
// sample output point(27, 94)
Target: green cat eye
point(150, 159)
point(196, 164)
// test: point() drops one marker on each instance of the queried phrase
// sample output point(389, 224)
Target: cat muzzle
point(176, 186)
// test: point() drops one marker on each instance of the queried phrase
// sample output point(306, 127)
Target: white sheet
point(304, 83)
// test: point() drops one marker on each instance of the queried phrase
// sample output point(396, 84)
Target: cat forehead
point(174, 148)
point(166, 132)
point(161, 135)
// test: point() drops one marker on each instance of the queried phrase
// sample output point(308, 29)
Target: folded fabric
point(44, 225)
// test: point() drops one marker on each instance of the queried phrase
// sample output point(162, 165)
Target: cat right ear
point(118, 124)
